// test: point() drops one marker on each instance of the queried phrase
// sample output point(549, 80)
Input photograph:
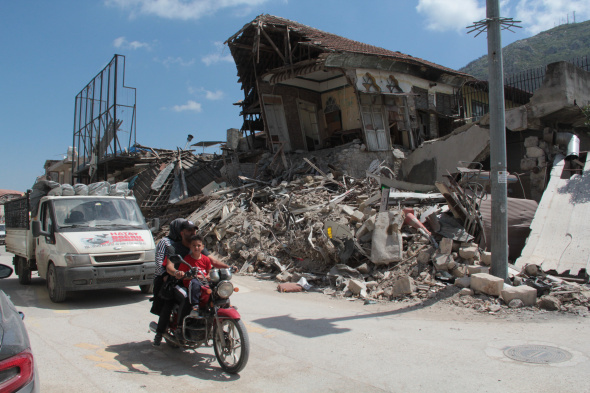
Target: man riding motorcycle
point(195, 257)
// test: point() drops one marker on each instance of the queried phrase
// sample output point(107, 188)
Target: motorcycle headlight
point(225, 289)
point(78, 259)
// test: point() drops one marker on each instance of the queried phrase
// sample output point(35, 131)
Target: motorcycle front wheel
point(233, 350)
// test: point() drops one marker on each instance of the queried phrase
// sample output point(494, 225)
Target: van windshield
point(97, 212)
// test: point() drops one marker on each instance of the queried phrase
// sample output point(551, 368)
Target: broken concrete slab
point(424, 256)
point(517, 119)
point(348, 210)
point(357, 216)
point(459, 271)
point(363, 269)
point(356, 286)
point(474, 269)
point(535, 152)
point(284, 277)
point(402, 185)
point(564, 87)
point(528, 295)
point(548, 302)
point(486, 283)
point(516, 303)
point(463, 282)
point(531, 141)
point(434, 159)
point(469, 251)
point(445, 246)
point(485, 258)
point(441, 261)
point(528, 163)
point(466, 292)
point(404, 286)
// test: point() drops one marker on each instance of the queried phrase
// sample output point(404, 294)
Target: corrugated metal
point(197, 173)
point(142, 185)
point(560, 232)
point(520, 215)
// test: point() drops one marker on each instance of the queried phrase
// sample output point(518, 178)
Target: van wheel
point(23, 272)
point(147, 288)
point(55, 286)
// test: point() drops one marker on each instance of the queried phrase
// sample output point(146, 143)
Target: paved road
point(98, 341)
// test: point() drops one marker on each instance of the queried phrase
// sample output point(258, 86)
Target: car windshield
point(2, 227)
point(97, 212)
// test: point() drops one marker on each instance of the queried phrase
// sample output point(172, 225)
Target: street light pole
point(499, 243)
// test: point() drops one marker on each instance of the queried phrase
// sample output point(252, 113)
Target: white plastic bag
point(100, 188)
point(120, 189)
point(81, 189)
point(67, 190)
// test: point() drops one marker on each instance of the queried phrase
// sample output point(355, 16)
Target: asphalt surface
point(98, 341)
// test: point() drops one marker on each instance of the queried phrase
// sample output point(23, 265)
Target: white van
point(81, 242)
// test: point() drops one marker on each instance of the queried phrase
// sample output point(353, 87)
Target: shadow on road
point(35, 295)
point(168, 361)
point(323, 326)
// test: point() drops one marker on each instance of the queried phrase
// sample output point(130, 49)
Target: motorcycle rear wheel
point(233, 351)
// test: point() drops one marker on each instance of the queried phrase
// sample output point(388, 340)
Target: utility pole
point(497, 143)
point(493, 24)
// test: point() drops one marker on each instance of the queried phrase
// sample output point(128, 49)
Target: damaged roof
point(329, 42)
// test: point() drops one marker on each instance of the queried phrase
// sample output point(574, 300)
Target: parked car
point(18, 372)
point(2, 234)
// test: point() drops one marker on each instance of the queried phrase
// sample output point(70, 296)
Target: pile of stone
point(288, 231)
point(346, 237)
point(530, 289)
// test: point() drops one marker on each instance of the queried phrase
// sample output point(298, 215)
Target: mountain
point(565, 42)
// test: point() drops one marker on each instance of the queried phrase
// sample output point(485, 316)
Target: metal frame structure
point(104, 112)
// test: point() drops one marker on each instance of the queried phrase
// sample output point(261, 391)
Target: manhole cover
point(540, 354)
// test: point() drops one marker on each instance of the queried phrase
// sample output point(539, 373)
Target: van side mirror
point(37, 230)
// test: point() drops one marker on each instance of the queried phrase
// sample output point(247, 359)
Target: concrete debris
point(310, 226)
point(527, 295)
point(486, 283)
point(516, 303)
point(550, 303)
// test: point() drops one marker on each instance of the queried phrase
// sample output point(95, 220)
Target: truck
point(80, 242)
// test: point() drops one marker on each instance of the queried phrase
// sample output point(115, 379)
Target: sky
point(184, 76)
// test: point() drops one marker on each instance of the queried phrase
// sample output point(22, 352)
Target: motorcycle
point(216, 321)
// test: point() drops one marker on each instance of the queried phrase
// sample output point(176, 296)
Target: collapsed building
point(365, 172)
point(307, 89)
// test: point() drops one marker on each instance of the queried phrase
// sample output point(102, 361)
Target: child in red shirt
point(198, 260)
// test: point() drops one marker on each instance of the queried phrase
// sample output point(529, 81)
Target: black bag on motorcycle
point(167, 290)
point(157, 301)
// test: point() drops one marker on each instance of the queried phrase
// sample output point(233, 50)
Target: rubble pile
point(373, 238)
point(330, 233)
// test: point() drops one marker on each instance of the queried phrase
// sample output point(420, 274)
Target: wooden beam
point(289, 46)
point(256, 46)
point(273, 45)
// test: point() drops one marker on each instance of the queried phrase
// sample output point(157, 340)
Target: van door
point(45, 245)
